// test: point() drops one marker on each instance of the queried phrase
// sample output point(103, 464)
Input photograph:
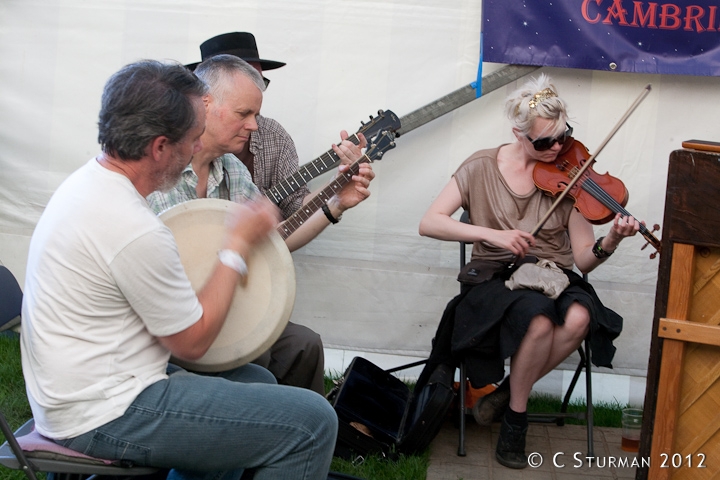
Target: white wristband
point(232, 259)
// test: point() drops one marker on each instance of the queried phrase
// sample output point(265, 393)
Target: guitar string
point(299, 217)
point(299, 177)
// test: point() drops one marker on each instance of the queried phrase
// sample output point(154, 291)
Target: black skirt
point(486, 323)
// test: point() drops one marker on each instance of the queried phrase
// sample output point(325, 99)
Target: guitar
point(377, 147)
point(385, 121)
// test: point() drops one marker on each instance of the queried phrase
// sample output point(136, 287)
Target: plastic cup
point(631, 425)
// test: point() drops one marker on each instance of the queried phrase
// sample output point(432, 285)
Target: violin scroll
point(651, 240)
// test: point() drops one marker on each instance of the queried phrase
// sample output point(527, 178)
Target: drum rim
point(209, 362)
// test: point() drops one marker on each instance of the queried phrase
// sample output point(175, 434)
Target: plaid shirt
point(238, 187)
point(275, 159)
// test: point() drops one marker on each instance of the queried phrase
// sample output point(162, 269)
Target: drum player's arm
point(349, 196)
point(247, 225)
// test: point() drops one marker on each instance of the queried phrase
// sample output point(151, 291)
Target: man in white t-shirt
point(106, 302)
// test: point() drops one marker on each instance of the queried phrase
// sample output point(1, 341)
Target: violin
point(597, 197)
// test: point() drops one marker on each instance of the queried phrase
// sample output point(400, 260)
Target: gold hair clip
point(540, 97)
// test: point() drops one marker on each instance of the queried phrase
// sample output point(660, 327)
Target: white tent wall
point(370, 283)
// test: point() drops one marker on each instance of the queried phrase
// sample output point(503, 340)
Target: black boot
point(491, 408)
point(511, 444)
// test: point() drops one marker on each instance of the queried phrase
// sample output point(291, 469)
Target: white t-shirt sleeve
point(149, 273)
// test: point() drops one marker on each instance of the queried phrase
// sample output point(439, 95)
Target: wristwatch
point(232, 259)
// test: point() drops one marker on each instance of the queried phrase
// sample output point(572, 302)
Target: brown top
point(491, 203)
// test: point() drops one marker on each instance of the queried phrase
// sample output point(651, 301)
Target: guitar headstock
point(385, 121)
point(380, 144)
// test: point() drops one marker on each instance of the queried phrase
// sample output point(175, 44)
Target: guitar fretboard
point(307, 172)
point(297, 219)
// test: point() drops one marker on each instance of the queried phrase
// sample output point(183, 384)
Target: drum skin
point(262, 304)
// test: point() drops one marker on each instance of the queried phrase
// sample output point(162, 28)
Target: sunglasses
point(546, 143)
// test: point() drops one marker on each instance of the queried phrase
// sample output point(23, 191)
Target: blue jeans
point(213, 427)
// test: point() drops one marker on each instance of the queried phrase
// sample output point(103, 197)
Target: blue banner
point(682, 37)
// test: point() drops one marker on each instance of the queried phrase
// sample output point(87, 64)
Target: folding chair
point(10, 299)
point(555, 417)
point(29, 451)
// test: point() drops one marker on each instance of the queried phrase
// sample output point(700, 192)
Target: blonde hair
point(538, 97)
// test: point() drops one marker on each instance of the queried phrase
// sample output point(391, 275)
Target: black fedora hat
point(240, 44)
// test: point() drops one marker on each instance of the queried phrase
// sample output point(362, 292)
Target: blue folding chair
point(10, 299)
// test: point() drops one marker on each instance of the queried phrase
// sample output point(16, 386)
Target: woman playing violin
point(490, 321)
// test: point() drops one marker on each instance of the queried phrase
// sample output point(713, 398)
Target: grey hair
point(538, 97)
point(215, 71)
point(143, 101)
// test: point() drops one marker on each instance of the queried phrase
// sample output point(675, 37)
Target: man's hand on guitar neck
point(357, 190)
point(354, 192)
point(347, 151)
point(349, 195)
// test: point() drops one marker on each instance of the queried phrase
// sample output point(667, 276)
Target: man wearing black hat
point(297, 357)
point(270, 155)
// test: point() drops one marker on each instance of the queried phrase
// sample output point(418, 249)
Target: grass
point(604, 414)
point(14, 406)
point(13, 402)
point(376, 468)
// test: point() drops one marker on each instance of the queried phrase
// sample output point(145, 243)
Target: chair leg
point(571, 388)
point(558, 418)
point(588, 400)
point(407, 365)
point(461, 404)
point(25, 464)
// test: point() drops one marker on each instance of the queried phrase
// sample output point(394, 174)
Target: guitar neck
point(307, 172)
point(297, 219)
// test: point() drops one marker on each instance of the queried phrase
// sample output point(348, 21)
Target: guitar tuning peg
point(380, 112)
point(656, 227)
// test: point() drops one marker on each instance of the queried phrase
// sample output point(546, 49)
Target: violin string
point(603, 197)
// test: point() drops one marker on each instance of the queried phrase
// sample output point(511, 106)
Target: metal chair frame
point(64, 467)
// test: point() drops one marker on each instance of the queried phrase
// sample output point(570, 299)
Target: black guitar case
point(379, 414)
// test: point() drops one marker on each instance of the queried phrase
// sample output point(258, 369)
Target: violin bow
point(591, 160)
